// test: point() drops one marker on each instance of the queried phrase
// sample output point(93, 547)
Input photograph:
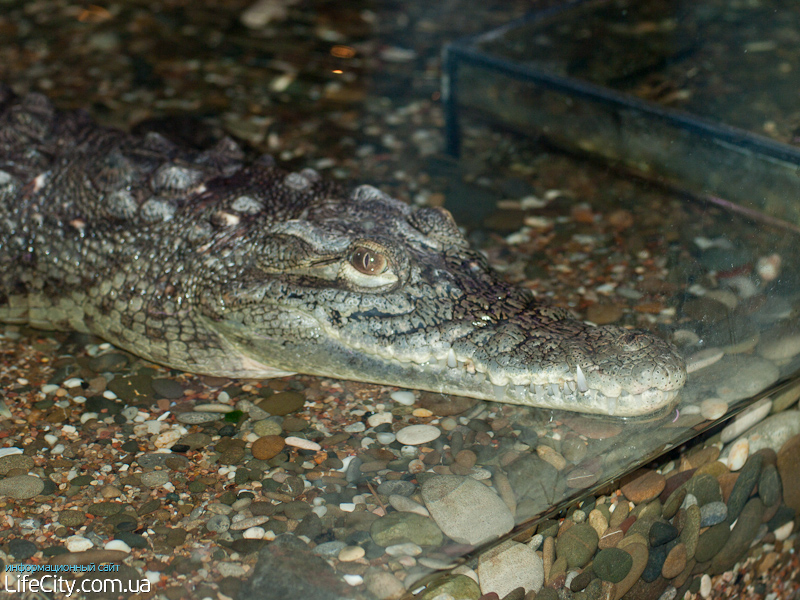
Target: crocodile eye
point(367, 261)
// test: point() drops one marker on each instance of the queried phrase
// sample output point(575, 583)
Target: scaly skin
point(206, 263)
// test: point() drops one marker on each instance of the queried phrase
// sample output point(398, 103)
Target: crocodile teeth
point(580, 379)
point(451, 359)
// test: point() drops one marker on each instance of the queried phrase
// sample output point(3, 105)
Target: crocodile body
point(205, 262)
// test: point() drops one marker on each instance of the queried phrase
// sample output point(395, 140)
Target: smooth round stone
point(22, 550)
point(329, 549)
point(117, 545)
point(383, 585)
point(416, 435)
point(702, 359)
point(465, 509)
point(238, 524)
point(254, 533)
point(154, 478)
point(16, 461)
point(214, 407)
point(704, 489)
point(267, 427)
point(769, 486)
point(779, 344)
point(690, 529)
point(713, 513)
point(452, 586)
point(197, 418)
point(404, 504)
point(195, 441)
point(785, 399)
point(404, 550)
point(661, 533)
point(218, 524)
point(77, 543)
point(396, 486)
point(302, 443)
point(712, 541)
point(789, 470)
point(784, 531)
point(741, 536)
point(21, 487)
point(644, 488)
point(168, 438)
point(403, 397)
point(267, 447)
point(509, 566)
point(612, 564)
point(401, 528)
point(351, 553)
point(167, 388)
point(675, 562)
point(283, 403)
point(772, 432)
point(72, 518)
point(713, 409)
point(744, 486)
point(637, 548)
point(385, 438)
point(739, 452)
point(743, 378)
point(705, 586)
point(577, 545)
point(746, 419)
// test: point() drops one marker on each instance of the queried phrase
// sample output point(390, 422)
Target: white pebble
point(738, 455)
point(380, 418)
point(416, 435)
point(72, 382)
point(353, 580)
point(403, 397)
point(405, 549)
point(784, 531)
point(713, 408)
point(152, 576)
point(88, 416)
point(746, 419)
point(168, 438)
point(705, 585)
point(117, 545)
point(109, 395)
point(9, 451)
point(254, 533)
point(347, 506)
point(351, 553)
point(386, 438)
point(304, 444)
point(49, 388)
point(57, 450)
point(77, 543)
point(702, 359)
point(356, 427)
point(214, 407)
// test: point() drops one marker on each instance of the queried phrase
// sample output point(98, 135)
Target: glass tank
point(631, 164)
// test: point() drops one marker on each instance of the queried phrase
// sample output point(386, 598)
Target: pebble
point(214, 407)
point(746, 419)
point(218, 524)
point(403, 397)
point(267, 447)
point(383, 585)
point(267, 427)
point(779, 344)
point(509, 566)
point(713, 513)
point(644, 488)
point(744, 486)
point(154, 478)
point(416, 435)
point(789, 469)
point(406, 549)
point(329, 549)
point(612, 564)
point(675, 562)
point(577, 545)
point(741, 536)
point(351, 553)
point(403, 504)
point(254, 533)
point(167, 388)
point(401, 527)
point(16, 460)
point(458, 587)
point(302, 443)
point(197, 418)
point(772, 432)
point(465, 509)
point(283, 403)
point(702, 359)
point(77, 543)
point(739, 452)
point(705, 585)
point(769, 485)
point(713, 408)
point(117, 545)
point(21, 487)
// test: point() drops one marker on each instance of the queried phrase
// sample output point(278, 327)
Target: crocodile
point(206, 261)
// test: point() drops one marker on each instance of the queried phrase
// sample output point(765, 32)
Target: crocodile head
point(373, 290)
